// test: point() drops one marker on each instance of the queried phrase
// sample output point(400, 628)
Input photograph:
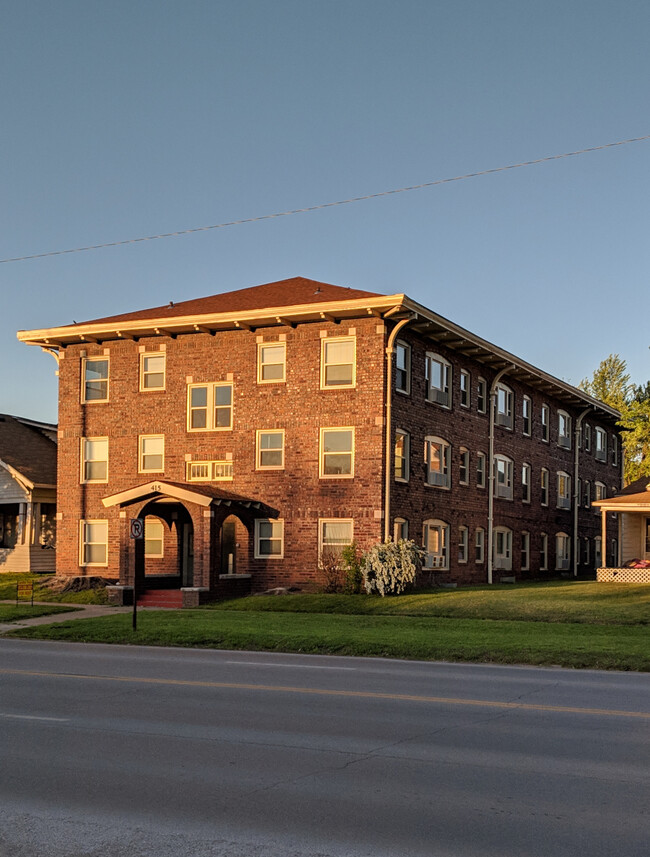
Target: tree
point(610, 384)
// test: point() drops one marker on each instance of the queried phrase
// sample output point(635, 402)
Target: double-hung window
point(336, 453)
point(403, 368)
point(586, 432)
point(601, 444)
point(526, 411)
point(479, 545)
point(601, 493)
point(269, 539)
point(463, 466)
point(436, 544)
point(463, 544)
point(437, 456)
point(94, 386)
point(153, 537)
point(94, 459)
point(271, 362)
point(334, 534)
point(401, 455)
point(151, 453)
point(270, 449)
point(503, 467)
point(587, 494)
point(563, 430)
point(480, 469)
point(545, 416)
point(525, 551)
point(543, 485)
point(525, 483)
point(209, 407)
point(152, 371)
point(400, 529)
point(562, 552)
point(543, 552)
point(614, 451)
point(438, 376)
point(465, 385)
point(338, 363)
point(563, 490)
point(481, 396)
point(504, 406)
point(93, 542)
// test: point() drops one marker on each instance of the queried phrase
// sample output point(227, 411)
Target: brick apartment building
point(252, 430)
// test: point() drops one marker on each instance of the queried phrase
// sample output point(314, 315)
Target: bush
point(331, 571)
point(391, 567)
point(351, 562)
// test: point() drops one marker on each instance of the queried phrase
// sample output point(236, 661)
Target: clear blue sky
point(122, 119)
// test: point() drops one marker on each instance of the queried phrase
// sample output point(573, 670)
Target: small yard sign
point(25, 591)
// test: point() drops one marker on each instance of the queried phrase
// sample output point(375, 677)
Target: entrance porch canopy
point(202, 495)
point(632, 507)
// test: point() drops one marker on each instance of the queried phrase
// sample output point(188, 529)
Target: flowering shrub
point(390, 567)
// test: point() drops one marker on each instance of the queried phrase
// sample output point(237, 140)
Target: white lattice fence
point(623, 575)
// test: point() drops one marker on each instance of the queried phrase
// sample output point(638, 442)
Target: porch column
point(603, 538)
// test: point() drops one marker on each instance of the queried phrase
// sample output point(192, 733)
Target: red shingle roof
point(291, 292)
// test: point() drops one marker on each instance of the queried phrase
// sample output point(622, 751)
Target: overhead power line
point(324, 204)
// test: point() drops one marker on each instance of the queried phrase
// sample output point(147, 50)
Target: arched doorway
point(165, 557)
point(234, 555)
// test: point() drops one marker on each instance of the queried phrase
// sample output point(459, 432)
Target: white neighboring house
point(627, 558)
point(27, 495)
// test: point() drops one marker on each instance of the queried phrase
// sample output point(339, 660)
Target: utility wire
point(325, 204)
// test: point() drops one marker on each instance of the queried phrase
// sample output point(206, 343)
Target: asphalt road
point(132, 751)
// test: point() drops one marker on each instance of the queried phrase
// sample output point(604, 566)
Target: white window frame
point(525, 550)
point(587, 494)
point(600, 493)
point(481, 469)
point(84, 480)
point(563, 490)
point(586, 431)
point(562, 552)
point(145, 373)
point(463, 465)
point(586, 550)
point(322, 453)
point(141, 453)
point(149, 523)
point(481, 395)
point(322, 522)
point(403, 349)
point(601, 444)
point(259, 451)
point(465, 388)
point(438, 559)
point(503, 488)
point(84, 381)
point(463, 544)
point(324, 363)
point(502, 559)
point(527, 415)
point(564, 429)
point(504, 406)
point(439, 395)
point(526, 471)
point(543, 552)
point(438, 478)
point(598, 551)
point(83, 543)
point(261, 363)
point(404, 458)
point(545, 422)
point(614, 450)
point(479, 545)
point(274, 537)
point(400, 529)
point(209, 470)
point(210, 406)
point(544, 487)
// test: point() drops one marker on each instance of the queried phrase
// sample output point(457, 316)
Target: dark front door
point(228, 548)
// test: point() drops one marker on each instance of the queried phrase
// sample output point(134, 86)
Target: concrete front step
point(161, 598)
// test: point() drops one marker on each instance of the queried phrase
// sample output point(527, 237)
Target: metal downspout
point(390, 350)
point(576, 498)
point(493, 393)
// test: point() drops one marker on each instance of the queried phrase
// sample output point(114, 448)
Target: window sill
point(234, 576)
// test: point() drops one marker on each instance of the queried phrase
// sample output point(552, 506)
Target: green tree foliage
point(610, 384)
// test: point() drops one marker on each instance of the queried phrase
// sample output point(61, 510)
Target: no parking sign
point(137, 528)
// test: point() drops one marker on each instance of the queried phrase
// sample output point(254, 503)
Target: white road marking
point(34, 717)
point(291, 666)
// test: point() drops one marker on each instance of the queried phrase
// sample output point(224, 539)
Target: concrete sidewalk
point(77, 611)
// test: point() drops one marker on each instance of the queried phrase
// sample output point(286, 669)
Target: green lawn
point(8, 582)
point(15, 612)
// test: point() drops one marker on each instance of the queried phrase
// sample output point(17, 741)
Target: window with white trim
point(152, 371)
point(151, 453)
point(438, 376)
point(338, 362)
point(481, 396)
point(153, 538)
point(400, 529)
point(563, 490)
point(270, 449)
point(598, 553)
point(93, 542)
point(209, 471)
point(94, 374)
point(587, 494)
point(402, 444)
point(600, 492)
point(543, 487)
point(502, 560)
point(463, 544)
point(563, 430)
point(543, 552)
point(503, 468)
point(525, 551)
point(334, 534)
point(504, 406)
point(437, 457)
point(436, 544)
point(479, 545)
point(337, 453)
point(480, 469)
point(544, 419)
point(94, 459)
point(585, 550)
point(525, 483)
point(526, 413)
point(562, 552)
point(403, 367)
point(269, 538)
point(601, 444)
point(614, 450)
point(465, 385)
point(463, 471)
point(209, 407)
point(271, 362)
point(586, 433)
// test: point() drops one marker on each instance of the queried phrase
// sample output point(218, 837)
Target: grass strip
point(16, 612)
point(495, 641)
point(8, 581)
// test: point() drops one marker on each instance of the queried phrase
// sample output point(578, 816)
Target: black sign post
point(137, 533)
